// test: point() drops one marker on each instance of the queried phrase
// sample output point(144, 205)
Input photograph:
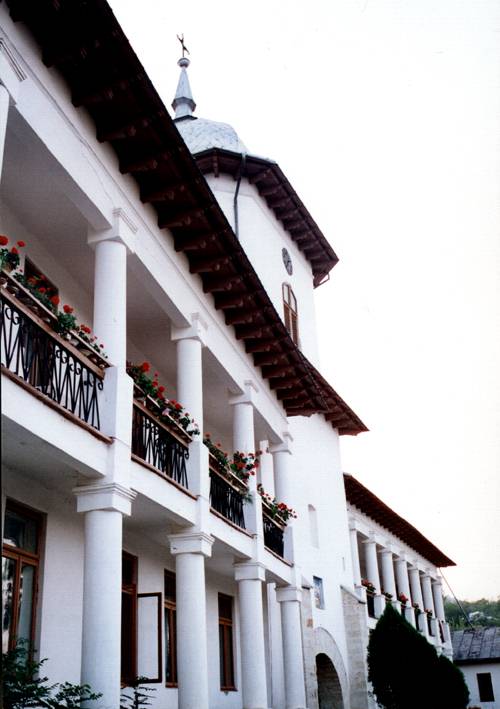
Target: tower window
point(290, 312)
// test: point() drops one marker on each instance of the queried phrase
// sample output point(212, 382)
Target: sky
point(385, 117)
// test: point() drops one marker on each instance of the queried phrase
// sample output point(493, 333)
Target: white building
point(129, 549)
point(394, 563)
point(477, 652)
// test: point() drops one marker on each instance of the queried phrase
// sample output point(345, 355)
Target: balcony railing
point(430, 626)
point(274, 531)
point(162, 444)
point(227, 493)
point(45, 361)
point(370, 603)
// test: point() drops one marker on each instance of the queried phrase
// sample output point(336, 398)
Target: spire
point(183, 103)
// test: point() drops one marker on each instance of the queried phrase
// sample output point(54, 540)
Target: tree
point(405, 670)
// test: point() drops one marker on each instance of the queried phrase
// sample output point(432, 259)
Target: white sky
point(385, 116)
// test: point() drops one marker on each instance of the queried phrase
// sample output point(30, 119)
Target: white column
point(356, 568)
point(427, 593)
point(110, 299)
point(4, 112)
point(389, 581)
point(104, 507)
point(416, 589)
point(437, 590)
point(290, 599)
point(250, 576)
point(372, 563)
point(190, 378)
point(244, 441)
point(404, 587)
point(190, 550)
point(283, 484)
point(190, 342)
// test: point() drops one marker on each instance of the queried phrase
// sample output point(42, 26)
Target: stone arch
point(333, 685)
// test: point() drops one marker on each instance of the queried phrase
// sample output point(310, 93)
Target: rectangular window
point(226, 657)
point(20, 562)
point(485, 687)
point(129, 618)
point(170, 629)
point(319, 598)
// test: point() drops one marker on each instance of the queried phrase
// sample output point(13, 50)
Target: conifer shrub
point(406, 671)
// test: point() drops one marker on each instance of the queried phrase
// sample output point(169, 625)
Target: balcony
point(227, 493)
point(63, 371)
point(274, 531)
point(159, 441)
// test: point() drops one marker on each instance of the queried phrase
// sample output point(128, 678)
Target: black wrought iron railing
point(226, 498)
point(370, 604)
point(161, 446)
point(40, 358)
point(274, 534)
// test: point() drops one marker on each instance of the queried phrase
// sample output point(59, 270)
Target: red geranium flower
point(85, 328)
point(55, 300)
point(42, 290)
point(21, 244)
point(161, 390)
point(178, 407)
point(3, 240)
point(14, 250)
point(68, 309)
point(145, 367)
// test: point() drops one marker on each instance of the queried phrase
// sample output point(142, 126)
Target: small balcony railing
point(370, 603)
point(274, 531)
point(45, 361)
point(162, 444)
point(227, 493)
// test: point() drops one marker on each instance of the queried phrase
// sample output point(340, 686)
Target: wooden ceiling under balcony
point(84, 42)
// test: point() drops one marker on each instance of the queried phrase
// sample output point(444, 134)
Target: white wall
point(470, 674)
point(263, 237)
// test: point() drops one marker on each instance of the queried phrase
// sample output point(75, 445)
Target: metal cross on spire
point(184, 48)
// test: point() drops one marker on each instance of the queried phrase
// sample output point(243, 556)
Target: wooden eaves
point(274, 187)
point(83, 41)
point(361, 497)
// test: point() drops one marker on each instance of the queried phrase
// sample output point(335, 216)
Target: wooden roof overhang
point(359, 496)
point(273, 186)
point(84, 42)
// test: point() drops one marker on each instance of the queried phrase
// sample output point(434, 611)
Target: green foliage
point(405, 670)
point(24, 686)
point(139, 696)
point(451, 689)
point(484, 613)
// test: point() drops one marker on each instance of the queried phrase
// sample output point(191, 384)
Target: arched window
point(290, 312)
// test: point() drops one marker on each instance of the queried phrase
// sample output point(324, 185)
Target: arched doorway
point(329, 689)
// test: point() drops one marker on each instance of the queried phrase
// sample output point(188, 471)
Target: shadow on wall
point(329, 689)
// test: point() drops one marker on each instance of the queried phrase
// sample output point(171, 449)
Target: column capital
point(191, 543)
point(196, 331)
point(11, 71)
point(289, 593)
point(284, 446)
point(249, 571)
point(385, 550)
point(109, 496)
point(250, 389)
point(122, 231)
point(436, 582)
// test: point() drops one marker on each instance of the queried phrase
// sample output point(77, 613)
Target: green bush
point(24, 686)
point(406, 671)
